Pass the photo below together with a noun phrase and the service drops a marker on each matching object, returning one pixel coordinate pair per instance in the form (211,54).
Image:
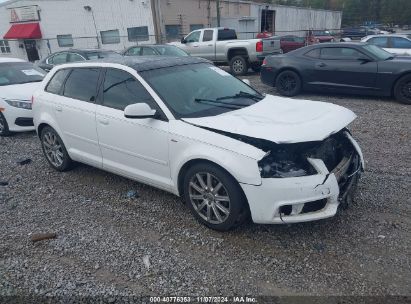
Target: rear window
(226,35)
(57,81)
(19,72)
(82,84)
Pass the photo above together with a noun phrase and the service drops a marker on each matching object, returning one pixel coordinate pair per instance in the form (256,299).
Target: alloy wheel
(209,198)
(53,149)
(238,66)
(406,90)
(288,83)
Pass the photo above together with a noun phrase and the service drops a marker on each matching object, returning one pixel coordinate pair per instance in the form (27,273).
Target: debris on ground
(37,237)
(146,261)
(4,183)
(132,194)
(24,161)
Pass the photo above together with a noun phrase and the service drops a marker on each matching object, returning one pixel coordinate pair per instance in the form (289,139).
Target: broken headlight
(282,164)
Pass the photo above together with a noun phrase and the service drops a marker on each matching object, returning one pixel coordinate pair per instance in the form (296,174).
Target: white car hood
(22,91)
(281,120)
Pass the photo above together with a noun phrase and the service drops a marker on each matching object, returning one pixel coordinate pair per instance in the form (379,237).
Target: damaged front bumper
(307,198)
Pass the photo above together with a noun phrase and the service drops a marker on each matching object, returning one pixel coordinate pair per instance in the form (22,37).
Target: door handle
(103,121)
(321,65)
(59,108)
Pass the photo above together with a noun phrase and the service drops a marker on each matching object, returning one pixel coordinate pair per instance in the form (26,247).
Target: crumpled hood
(22,91)
(281,120)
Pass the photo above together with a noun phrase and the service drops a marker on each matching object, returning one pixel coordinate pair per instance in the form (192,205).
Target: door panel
(137,148)
(342,68)
(77,117)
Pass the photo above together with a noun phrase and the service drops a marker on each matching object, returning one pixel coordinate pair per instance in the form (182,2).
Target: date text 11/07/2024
(238,299)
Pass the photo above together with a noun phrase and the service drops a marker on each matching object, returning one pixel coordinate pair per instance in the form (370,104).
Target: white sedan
(18,81)
(398,44)
(188,127)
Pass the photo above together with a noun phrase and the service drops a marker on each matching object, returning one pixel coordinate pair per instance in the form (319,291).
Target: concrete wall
(69,17)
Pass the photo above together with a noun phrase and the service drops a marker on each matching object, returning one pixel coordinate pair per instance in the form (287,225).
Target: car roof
(388,35)
(338,44)
(142,63)
(10,59)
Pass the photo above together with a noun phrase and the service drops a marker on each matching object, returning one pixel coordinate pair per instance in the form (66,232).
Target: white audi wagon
(185,126)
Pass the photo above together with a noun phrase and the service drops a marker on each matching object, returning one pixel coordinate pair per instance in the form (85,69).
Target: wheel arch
(398,78)
(237,51)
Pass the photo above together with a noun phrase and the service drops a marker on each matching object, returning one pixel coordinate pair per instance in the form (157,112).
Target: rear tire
(54,150)
(4,127)
(402,89)
(288,83)
(238,65)
(214,197)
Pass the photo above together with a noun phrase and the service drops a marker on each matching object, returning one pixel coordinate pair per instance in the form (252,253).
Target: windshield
(19,72)
(170,51)
(101,55)
(378,52)
(199,90)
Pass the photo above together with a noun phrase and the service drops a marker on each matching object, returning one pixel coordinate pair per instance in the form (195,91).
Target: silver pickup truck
(221,46)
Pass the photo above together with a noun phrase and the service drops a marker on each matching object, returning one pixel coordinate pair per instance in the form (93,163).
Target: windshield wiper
(243,94)
(220,103)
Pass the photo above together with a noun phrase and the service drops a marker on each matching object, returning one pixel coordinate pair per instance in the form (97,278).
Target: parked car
(75,55)
(221,46)
(290,43)
(319,37)
(356,33)
(155,50)
(392,43)
(356,68)
(18,80)
(217,142)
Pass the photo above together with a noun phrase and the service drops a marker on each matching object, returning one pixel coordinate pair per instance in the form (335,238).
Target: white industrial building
(32,29)
(38,27)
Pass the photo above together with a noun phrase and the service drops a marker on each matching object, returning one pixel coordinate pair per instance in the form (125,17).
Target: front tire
(214,197)
(54,150)
(402,89)
(4,127)
(288,83)
(238,66)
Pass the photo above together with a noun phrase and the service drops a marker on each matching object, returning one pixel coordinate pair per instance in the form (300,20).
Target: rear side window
(340,54)
(226,35)
(313,53)
(56,83)
(122,89)
(379,41)
(400,43)
(82,84)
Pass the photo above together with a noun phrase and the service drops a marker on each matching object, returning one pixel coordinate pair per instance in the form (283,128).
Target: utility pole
(218,12)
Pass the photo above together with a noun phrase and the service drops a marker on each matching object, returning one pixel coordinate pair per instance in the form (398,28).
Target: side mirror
(246,81)
(183,40)
(139,111)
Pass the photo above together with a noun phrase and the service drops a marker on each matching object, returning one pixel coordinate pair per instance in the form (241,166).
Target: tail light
(264,61)
(259,46)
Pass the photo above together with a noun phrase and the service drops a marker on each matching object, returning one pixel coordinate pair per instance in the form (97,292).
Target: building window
(4,47)
(65,40)
(172,31)
(194,27)
(139,33)
(110,37)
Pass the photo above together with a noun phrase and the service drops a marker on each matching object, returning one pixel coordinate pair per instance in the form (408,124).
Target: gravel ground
(111,245)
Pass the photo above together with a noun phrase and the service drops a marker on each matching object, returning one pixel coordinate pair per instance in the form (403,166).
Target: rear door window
(400,43)
(208,35)
(147,51)
(74,57)
(81,84)
(135,51)
(121,89)
(379,41)
(56,83)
